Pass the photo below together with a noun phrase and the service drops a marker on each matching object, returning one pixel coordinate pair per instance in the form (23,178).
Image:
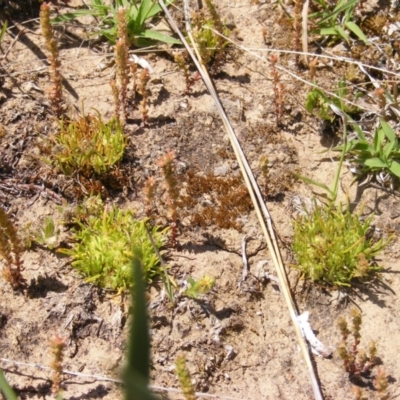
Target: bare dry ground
(239,342)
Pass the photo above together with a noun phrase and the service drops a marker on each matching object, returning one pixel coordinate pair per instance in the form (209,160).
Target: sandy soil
(239,342)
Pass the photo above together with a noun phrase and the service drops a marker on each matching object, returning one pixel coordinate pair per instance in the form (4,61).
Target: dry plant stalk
(279,89)
(166,163)
(355,361)
(10,250)
(122,62)
(144,78)
(149,191)
(55,64)
(313,68)
(298,5)
(57,347)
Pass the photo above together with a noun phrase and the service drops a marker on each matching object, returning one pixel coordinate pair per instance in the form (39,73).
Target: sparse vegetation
(336,19)
(211,46)
(86,146)
(138,15)
(199,287)
(358,363)
(379,159)
(332,246)
(104,244)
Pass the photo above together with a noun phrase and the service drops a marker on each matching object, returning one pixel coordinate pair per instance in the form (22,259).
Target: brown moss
(211,200)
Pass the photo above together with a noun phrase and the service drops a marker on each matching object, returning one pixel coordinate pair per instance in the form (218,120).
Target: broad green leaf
(357,31)
(394,168)
(363,146)
(327,31)
(342,33)
(6,388)
(375,163)
(133,12)
(161,37)
(387,150)
(379,140)
(388,131)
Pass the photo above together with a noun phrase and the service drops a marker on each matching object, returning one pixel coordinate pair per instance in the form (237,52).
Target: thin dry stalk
(297,28)
(144,79)
(123,65)
(57,348)
(55,64)
(10,250)
(149,191)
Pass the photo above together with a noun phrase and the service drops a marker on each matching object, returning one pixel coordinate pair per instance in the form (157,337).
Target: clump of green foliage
(87,145)
(202,286)
(336,22)
(211,46)
(332,246)
(103,249)
(381,158)
(138,15)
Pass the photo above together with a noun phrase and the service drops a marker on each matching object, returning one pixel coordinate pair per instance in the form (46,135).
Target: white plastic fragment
(142,62)
(317,346)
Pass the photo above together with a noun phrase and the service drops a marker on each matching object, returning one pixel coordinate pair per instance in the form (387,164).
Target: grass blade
(6,388)
(137,373)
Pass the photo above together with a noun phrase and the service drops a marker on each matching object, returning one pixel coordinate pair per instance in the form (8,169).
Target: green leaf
(139,344)
(375,163)
(363,146)
(338,9)
(161,37)
(394,168)
(342,33)
(3,31)
(6,388)
(387,150)
(328,31)
(357,31)
(137,372)
(379,140)
(388,131)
